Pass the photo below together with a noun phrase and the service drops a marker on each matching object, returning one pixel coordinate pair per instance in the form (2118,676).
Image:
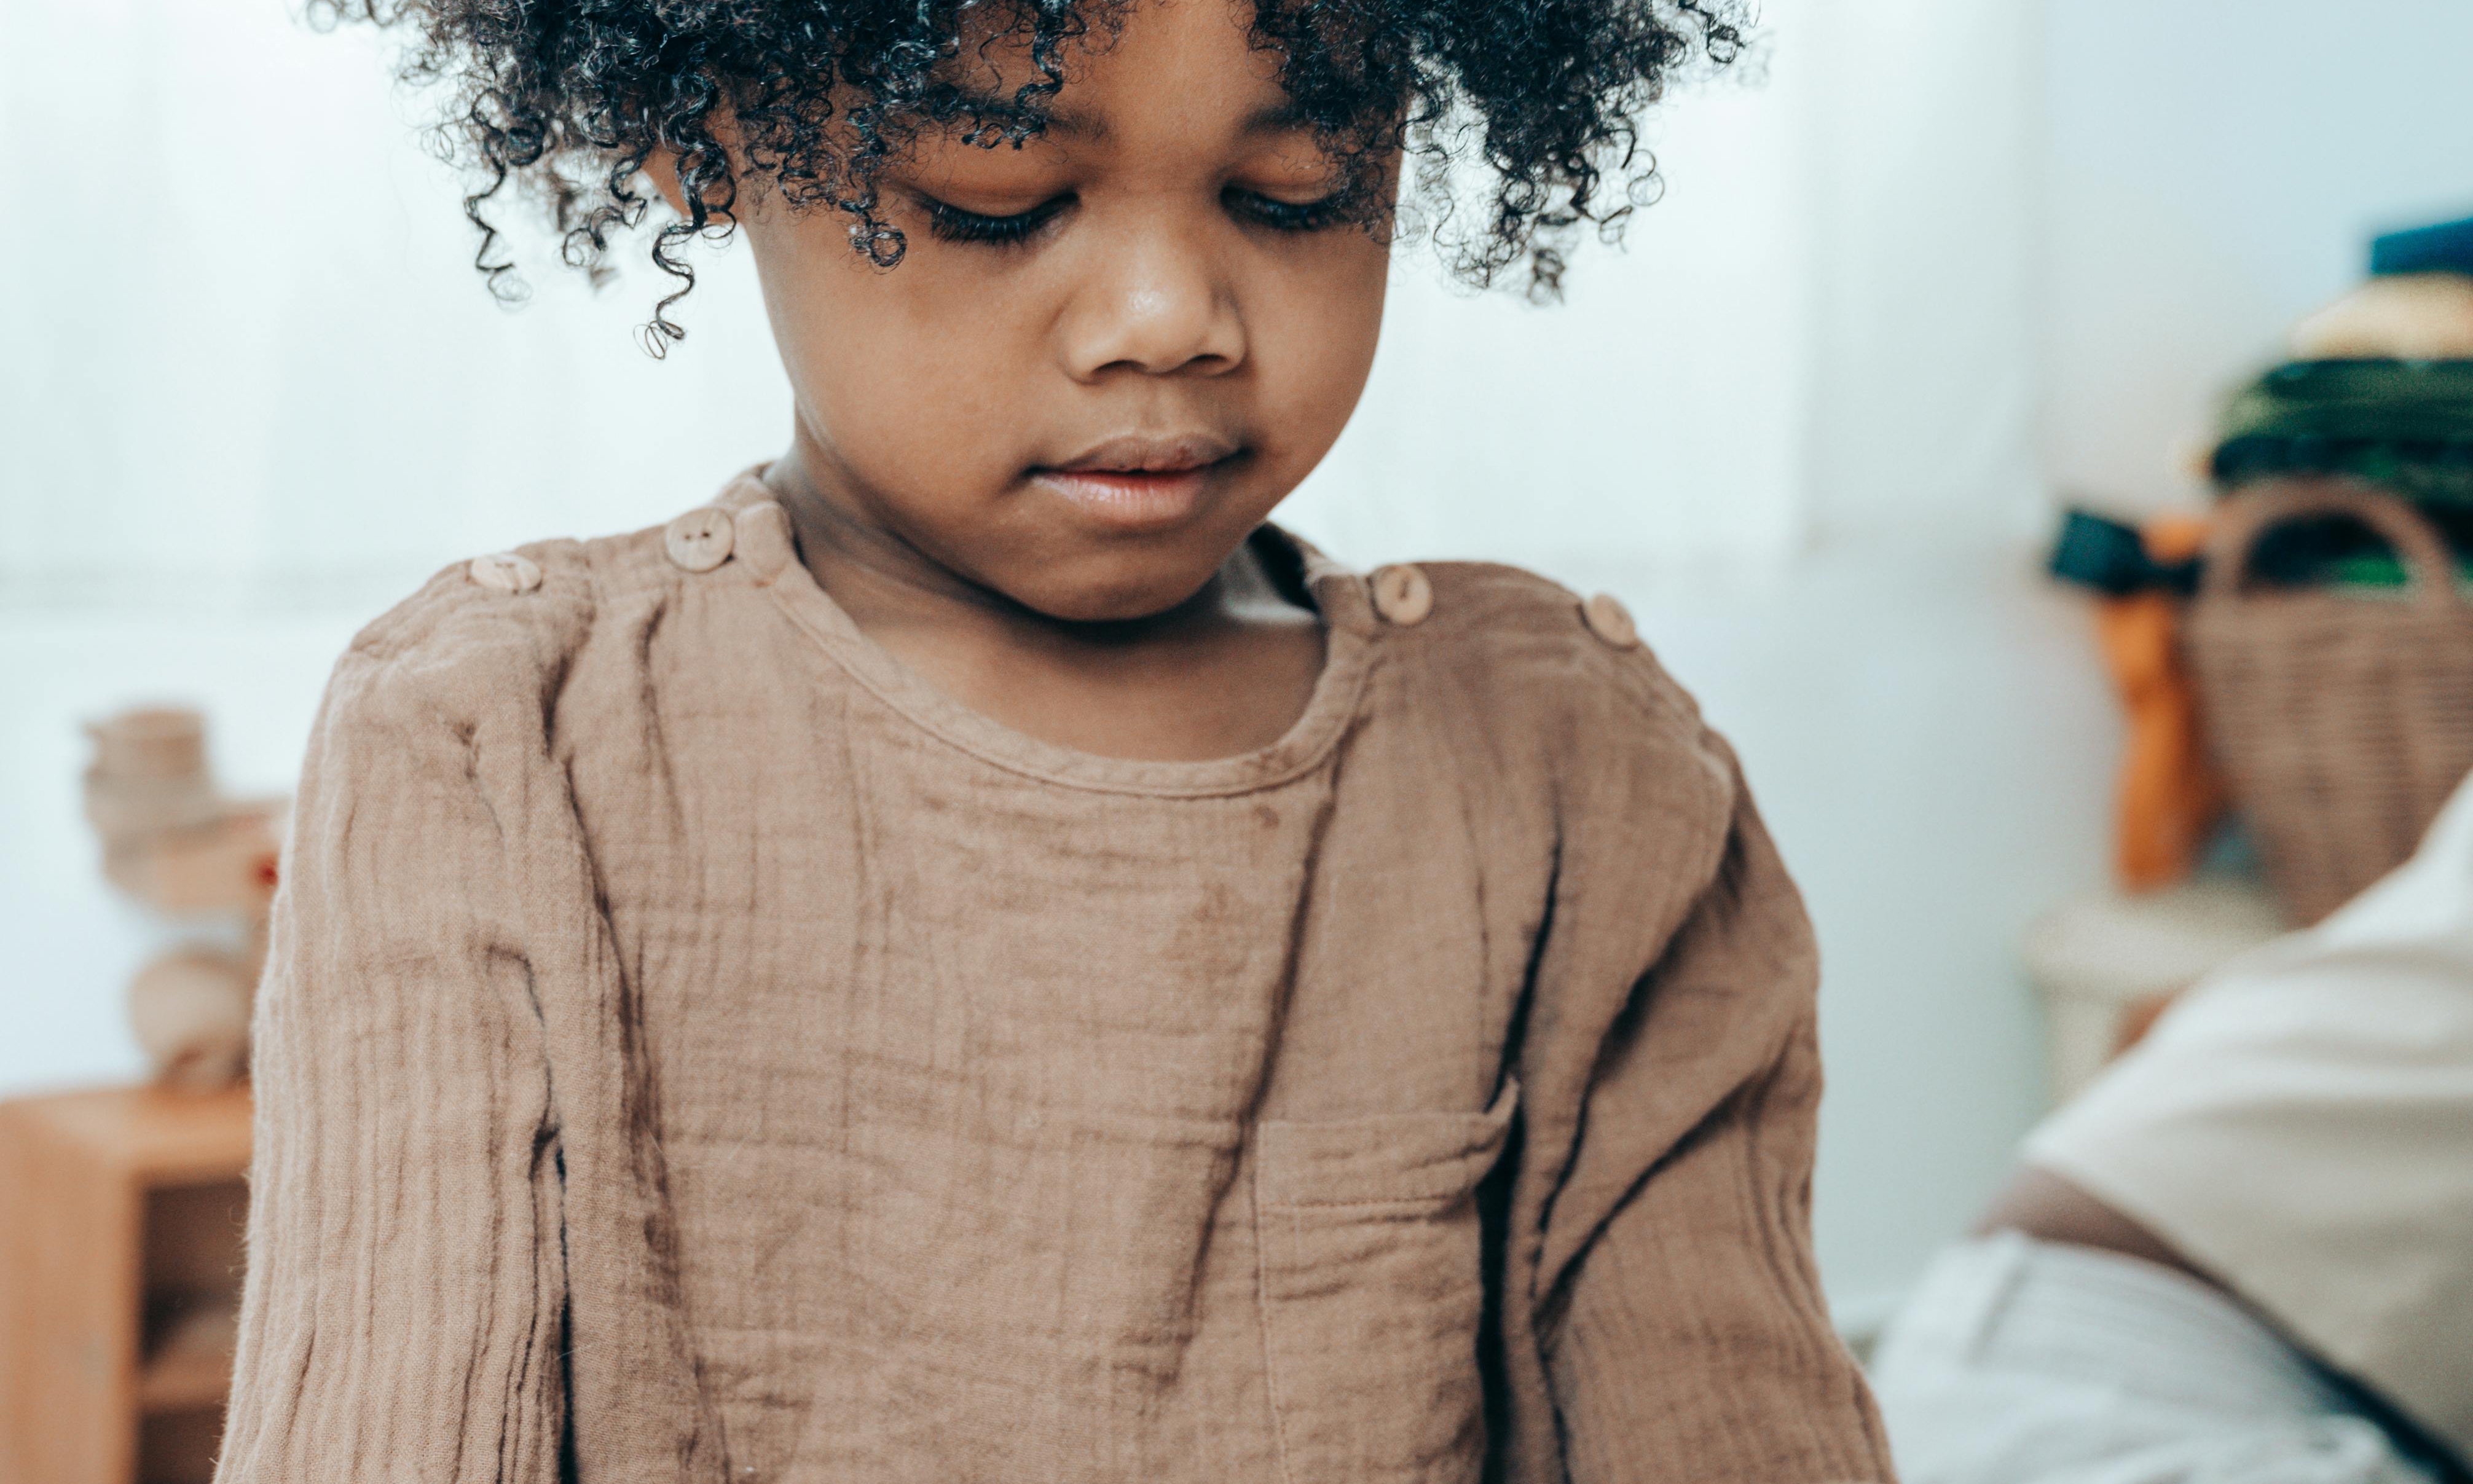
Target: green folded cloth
(2407,426)
(2380,569)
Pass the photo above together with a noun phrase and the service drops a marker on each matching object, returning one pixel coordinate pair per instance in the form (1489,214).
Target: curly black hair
(568,100)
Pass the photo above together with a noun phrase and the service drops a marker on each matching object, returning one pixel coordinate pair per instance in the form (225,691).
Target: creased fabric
(696,1050)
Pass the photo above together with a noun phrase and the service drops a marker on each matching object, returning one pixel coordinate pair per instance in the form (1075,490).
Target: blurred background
(1926,270)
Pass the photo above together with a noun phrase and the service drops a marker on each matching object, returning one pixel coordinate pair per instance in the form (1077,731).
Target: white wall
(252,362)
(2214,170)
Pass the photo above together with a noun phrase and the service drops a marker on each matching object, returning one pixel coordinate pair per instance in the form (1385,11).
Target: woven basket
(2343,717)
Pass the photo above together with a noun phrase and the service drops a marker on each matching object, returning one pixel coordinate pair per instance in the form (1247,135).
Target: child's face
(1107,354)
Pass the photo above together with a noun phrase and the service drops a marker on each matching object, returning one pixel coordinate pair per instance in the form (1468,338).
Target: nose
(1157,302)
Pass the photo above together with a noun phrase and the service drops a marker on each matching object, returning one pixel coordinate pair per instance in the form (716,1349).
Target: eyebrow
(1072,124)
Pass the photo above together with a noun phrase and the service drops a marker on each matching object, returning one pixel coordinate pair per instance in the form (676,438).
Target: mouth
(1138,482)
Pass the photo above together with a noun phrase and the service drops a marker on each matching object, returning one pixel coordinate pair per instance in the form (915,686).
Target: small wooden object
(173,840)
(120,1267)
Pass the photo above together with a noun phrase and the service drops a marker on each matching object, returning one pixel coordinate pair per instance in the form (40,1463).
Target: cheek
(1317,344)
(904,374)
(907,413)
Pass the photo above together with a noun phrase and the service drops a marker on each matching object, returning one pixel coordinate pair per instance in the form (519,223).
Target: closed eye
(1287,216)
(953,223)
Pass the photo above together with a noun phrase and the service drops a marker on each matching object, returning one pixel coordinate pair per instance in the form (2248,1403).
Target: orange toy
(2170,796)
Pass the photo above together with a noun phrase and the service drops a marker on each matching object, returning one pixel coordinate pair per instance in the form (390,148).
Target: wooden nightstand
(121,1214)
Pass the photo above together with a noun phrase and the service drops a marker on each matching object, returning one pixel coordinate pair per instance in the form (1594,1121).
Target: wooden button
(700,539)
(505,572)
(1609,620)
(1402,595)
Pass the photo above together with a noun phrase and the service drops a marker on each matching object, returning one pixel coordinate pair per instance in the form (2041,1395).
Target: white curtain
(251,364)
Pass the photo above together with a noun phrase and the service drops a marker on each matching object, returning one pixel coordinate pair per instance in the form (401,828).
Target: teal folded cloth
(2445,247)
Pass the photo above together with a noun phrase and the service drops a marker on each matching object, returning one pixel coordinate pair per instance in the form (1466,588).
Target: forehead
(1139,71)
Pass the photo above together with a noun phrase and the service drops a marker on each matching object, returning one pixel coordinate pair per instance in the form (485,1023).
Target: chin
(1122,591)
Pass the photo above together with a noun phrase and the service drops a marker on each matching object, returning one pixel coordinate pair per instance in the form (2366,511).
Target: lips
(1138,480)
(1137,453)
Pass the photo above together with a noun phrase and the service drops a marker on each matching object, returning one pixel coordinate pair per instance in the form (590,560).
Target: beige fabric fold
(696,1050)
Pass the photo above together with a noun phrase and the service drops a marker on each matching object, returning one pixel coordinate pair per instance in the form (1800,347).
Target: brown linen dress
(698,1051)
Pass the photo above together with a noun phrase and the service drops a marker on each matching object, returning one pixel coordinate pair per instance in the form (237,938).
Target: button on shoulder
(1402,595)
(1609,620)
(700,539)
(505,572)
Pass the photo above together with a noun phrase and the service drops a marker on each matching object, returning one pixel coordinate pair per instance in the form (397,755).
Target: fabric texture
(697,1050)
(2024,1362)
(2300,1126)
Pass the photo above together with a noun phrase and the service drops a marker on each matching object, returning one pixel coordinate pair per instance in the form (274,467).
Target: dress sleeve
(402,1313)
(1684,1334)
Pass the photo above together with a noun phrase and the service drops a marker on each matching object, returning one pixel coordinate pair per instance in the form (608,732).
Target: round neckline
(1340,602)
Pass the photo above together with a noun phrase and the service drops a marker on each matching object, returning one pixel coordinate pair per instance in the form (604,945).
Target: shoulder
(1564,677)
(487,643)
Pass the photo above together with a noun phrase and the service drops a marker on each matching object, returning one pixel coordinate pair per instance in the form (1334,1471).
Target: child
(971,956)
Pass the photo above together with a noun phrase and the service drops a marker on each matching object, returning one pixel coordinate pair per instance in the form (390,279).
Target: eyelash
(952,224)
(1288,216)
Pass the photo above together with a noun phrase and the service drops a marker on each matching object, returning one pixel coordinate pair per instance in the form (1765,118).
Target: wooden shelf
(161,1136)
(119,1267)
